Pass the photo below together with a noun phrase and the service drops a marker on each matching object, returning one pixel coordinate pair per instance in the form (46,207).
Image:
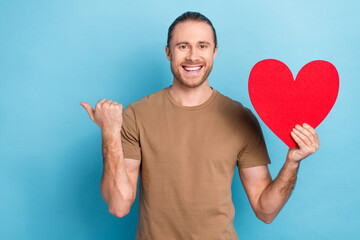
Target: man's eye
(183,47)
(202,46)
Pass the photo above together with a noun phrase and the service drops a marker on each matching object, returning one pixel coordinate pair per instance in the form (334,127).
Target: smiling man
(186,141)
(191,50)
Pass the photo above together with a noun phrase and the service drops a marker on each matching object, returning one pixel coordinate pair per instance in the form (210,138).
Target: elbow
(122,209)
(266,218)
(118,205)
(119,213)
(267,221)
(266,214)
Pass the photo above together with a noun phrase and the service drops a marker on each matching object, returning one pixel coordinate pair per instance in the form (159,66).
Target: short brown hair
(195,16)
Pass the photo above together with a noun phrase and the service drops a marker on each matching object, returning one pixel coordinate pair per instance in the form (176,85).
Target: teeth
(192,68)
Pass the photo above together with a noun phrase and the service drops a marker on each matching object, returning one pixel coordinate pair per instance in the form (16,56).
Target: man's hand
(307,140)
(107,114)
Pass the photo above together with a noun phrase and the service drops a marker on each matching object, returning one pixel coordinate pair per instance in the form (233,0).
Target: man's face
(191,52)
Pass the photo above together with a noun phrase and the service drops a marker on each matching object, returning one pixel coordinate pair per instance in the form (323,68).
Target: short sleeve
(254,152)
(130,135)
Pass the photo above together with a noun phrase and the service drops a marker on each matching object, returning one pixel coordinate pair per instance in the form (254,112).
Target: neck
(190,97)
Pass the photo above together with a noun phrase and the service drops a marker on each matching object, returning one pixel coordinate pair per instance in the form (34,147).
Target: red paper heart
(282,102)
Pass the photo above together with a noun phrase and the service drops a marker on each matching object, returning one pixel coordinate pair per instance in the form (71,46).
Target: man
(188,139)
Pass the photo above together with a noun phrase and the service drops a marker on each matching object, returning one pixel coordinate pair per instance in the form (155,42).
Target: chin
(192,84)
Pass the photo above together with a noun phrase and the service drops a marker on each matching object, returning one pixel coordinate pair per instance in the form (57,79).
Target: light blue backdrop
(55,54)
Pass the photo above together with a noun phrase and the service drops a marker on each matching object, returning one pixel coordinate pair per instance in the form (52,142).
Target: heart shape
(282,102)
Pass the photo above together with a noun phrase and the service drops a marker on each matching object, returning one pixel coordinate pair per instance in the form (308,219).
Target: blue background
(55,54)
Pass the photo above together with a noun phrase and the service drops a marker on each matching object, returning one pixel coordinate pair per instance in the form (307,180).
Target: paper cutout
(282,102)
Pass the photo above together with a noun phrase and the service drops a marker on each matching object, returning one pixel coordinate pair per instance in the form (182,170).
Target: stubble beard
(183,82)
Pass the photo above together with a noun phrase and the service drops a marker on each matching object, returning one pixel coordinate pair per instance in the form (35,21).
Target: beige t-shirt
(188,156)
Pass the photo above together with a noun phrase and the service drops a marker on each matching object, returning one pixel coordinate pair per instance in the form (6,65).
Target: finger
(307,133)
(89,109)
(308,127)
(114,102)
(312,130)
(303,137)
(99,103)
(107,102)
(297,139)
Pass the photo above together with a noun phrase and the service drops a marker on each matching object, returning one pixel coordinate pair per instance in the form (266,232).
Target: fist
(307,142)
(107,114)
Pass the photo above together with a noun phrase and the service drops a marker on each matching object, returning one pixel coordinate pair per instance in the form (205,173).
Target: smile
(192,68)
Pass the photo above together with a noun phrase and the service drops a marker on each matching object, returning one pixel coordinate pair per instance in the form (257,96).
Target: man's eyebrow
(201,42)
(184,42)
(179,43)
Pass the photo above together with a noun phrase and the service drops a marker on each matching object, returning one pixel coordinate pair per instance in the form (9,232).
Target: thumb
(89,109)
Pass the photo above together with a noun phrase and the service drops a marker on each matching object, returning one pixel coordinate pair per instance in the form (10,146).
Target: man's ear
(215,52)
(168,54)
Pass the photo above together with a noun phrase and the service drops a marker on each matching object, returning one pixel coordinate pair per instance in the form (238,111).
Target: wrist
(111,130)
(292,163)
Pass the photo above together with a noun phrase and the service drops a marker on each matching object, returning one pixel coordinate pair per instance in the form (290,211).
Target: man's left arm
(267,197)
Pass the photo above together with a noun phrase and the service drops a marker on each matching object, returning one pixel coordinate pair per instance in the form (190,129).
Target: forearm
(115,185)
(274,197)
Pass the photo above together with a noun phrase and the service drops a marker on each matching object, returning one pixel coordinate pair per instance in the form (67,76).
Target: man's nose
(193,54)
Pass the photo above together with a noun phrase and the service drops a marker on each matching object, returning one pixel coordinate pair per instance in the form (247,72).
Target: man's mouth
(192,68)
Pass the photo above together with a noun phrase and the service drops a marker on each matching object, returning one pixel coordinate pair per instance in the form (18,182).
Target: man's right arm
(119,181)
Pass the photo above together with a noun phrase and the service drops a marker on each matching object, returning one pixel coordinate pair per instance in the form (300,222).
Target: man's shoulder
(233,109)
(231,104)
(147,101)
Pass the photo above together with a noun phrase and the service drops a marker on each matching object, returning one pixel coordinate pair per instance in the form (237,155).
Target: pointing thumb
(89,109)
